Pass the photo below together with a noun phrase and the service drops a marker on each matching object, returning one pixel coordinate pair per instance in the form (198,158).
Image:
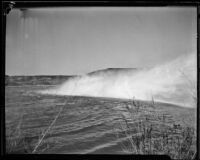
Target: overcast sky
(54,41)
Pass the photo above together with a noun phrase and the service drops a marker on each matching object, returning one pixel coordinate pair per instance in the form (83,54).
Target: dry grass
(47,131)
(151,132)
(17,143)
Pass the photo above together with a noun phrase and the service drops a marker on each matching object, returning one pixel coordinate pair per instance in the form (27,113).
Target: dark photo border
(8,5)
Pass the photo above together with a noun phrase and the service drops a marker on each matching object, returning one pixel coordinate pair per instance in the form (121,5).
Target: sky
(74,40)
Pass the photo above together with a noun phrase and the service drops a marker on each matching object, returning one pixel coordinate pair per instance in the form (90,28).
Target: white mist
(172,82)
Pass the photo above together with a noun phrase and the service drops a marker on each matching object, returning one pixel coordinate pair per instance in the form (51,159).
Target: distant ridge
(59,79)
(36,80)
(111,71)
